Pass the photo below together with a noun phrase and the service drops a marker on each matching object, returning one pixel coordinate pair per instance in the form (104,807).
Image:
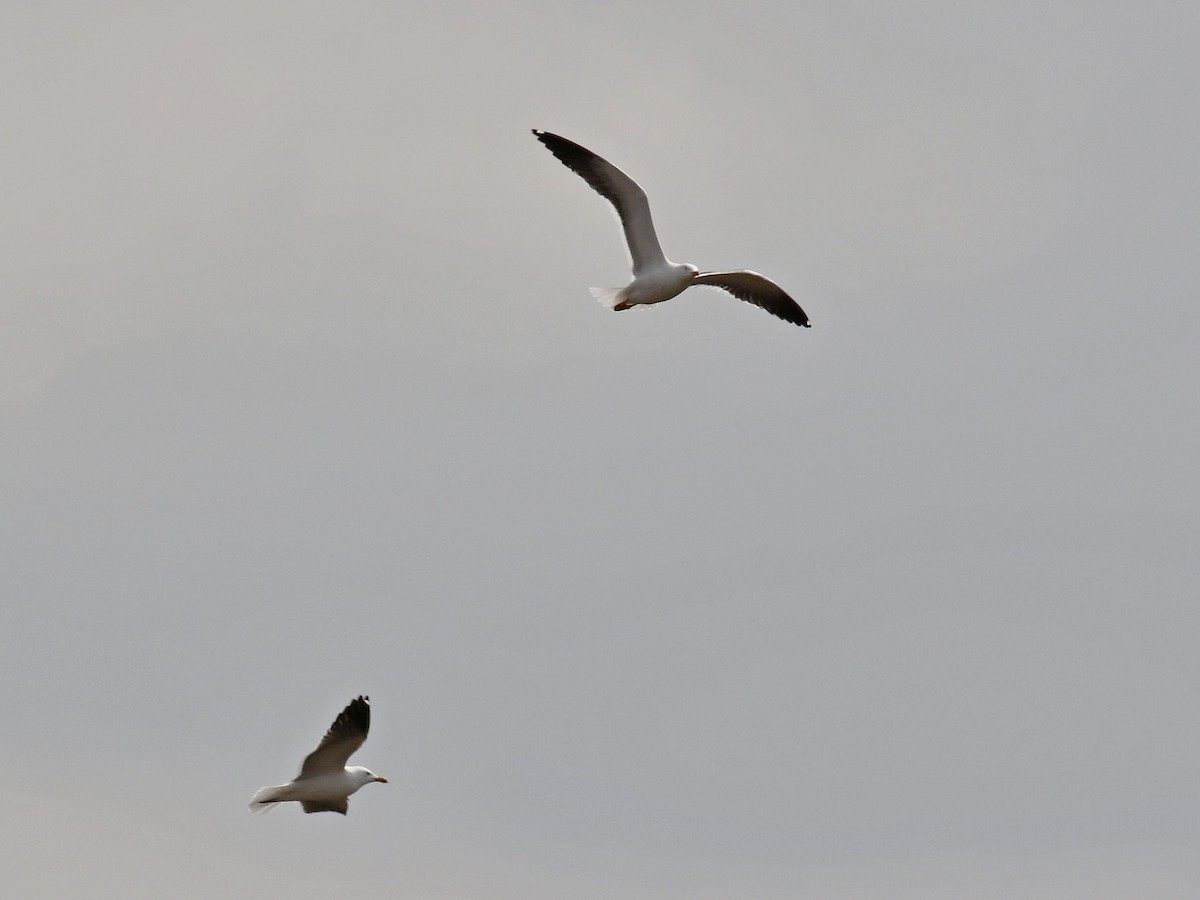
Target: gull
(656,278)
(325,782)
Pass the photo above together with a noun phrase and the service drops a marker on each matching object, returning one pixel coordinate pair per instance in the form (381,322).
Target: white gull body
(656,278)
(325,782)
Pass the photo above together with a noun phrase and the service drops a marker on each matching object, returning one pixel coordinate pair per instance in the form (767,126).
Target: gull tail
(613,298)
(266,799)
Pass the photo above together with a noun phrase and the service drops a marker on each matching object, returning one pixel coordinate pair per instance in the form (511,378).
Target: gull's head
(364,776)
(690,269)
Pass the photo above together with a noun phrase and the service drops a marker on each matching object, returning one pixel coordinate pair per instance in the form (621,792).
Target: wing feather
(759,290)
(344,736)
(625,194)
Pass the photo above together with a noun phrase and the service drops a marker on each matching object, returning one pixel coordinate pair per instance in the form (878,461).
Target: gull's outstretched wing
(618,189)
(344,736)
(759,290)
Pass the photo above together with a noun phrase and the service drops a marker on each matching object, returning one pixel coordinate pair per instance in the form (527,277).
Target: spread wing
(618,189)
(759,290)
(344,736)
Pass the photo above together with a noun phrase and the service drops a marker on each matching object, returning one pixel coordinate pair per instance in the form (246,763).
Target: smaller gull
(325,782)
(656,278)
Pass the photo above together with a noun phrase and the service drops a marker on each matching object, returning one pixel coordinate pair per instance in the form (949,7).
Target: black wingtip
(552,141)
(357,713)
(557,144)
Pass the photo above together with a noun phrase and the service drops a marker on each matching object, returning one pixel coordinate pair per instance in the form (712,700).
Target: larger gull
(325,782)
(656,278)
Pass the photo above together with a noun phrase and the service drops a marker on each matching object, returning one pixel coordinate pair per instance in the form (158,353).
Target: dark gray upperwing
(759,290)
(625,194)
(344,736)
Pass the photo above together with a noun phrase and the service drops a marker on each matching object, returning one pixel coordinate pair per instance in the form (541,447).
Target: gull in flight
(325,782)
(656,278)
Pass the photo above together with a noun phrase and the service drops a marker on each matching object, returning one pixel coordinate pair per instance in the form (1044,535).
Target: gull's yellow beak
(381,779)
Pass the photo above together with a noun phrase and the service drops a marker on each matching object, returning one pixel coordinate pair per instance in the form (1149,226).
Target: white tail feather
(266,799)
(610,297)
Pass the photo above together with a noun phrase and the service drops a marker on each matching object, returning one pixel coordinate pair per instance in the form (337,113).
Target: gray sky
(303,395)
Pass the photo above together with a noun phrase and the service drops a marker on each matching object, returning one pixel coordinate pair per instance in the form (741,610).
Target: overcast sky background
(303,395)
